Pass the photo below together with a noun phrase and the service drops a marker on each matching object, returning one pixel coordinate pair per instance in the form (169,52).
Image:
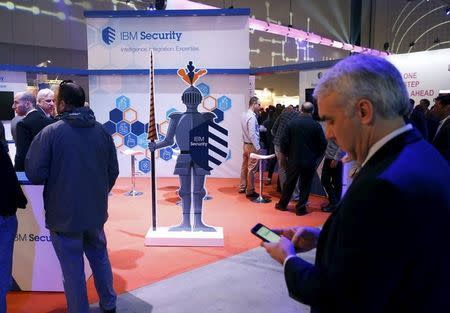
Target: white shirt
(380,143)
(440,126)
(250,128)
(30,112)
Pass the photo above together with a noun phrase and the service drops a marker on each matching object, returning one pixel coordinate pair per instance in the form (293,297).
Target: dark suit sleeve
(364,260)
(113,165)
(24,138)
(37,163)
(442,141)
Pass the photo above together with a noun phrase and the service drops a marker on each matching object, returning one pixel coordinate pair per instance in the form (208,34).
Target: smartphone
(263,232)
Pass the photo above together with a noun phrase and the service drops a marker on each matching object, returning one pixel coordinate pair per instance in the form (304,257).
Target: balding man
(304,144)
(45,101)
(27,128)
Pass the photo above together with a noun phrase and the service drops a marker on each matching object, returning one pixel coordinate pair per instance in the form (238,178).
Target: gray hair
(27,96)
(43,93)
(307,107)
(372,78)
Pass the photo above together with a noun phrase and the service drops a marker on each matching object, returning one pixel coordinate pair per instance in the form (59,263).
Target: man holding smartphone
(380,251)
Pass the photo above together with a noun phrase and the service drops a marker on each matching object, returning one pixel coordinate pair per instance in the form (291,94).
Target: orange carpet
(135,265)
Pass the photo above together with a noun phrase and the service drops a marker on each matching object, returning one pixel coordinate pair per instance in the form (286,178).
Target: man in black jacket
(27,128)
(11,198)
(386,246)
(303,144)
(441,140)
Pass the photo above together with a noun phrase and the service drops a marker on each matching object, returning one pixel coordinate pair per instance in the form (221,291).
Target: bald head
(23,102)
(307,108)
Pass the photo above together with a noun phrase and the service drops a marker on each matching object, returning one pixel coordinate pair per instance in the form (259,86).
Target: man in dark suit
(27,128)
(303,144)
(386,246)
(418,119)
(11,198)
(441,140)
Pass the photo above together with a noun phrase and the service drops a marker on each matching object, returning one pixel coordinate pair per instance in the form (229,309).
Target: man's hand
(303,238)
(281,250)
(152,146)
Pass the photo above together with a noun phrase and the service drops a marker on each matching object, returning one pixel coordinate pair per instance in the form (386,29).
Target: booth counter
(35,265)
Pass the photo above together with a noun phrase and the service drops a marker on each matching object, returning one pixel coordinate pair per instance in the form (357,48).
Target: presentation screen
(6,101)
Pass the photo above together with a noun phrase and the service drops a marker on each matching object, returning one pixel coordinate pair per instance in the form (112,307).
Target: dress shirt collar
(30,112)
(380,143)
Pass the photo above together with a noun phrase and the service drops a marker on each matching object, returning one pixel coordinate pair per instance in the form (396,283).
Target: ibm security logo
(111,35)
(108,35)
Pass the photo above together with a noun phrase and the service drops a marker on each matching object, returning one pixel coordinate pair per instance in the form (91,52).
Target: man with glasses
(77,161)
(27,128)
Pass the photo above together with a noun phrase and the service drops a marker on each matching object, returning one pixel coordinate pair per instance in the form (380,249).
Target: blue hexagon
(161,137)
(142,140)
(115,115)
(130,140)
(137,128)
(219,115)
(145,165)
(204,89)
(166,154)
(224,103)
(110,127)
(123,128)
(122,103)
(170,111)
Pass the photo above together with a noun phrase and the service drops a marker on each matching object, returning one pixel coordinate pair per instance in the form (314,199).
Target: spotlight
(437,40)
(447,11)
(160,4)
(412,43)
(386,46)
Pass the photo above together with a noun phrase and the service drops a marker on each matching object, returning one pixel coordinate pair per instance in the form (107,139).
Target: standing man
(27,128)
(278,131)
(76,160)
(441,111)
(381,250)
(11,198)
(303,144)
(250,136)
(331,177)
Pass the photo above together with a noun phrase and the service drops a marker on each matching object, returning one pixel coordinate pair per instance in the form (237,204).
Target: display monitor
(6,101)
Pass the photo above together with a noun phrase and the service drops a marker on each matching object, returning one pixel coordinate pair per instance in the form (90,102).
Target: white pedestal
(35,266)
(163,237)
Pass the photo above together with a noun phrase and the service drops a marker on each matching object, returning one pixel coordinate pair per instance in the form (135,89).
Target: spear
(152,137)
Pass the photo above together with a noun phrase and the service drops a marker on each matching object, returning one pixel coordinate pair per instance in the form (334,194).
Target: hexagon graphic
(161,137)
(118,140)
(122,103)
(145,165)
(137,128)
(111,84)
(116,115)
(123,128)
(219,115)
(209,103)
(170,111)
(130,115)
(130,140)
(166,154)
(110,127)
(204,89)
(224,103)
(163,127)
(142,140)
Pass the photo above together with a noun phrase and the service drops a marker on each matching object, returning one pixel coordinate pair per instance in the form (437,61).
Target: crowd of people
(384,248)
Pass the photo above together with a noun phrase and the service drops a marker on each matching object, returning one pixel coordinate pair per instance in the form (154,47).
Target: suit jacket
(419,121)
(442,140)
(303,142)
(386,248)
(26,130)
(11,194)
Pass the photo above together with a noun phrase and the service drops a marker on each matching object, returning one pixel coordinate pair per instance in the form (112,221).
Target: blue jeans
(69,248)
(8,230)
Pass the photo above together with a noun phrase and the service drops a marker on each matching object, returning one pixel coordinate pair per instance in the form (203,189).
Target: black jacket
(386,248)
(26,130)
(442,140)
(11,195)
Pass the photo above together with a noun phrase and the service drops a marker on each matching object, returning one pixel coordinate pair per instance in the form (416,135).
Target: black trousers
(332,180)
(293,174)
